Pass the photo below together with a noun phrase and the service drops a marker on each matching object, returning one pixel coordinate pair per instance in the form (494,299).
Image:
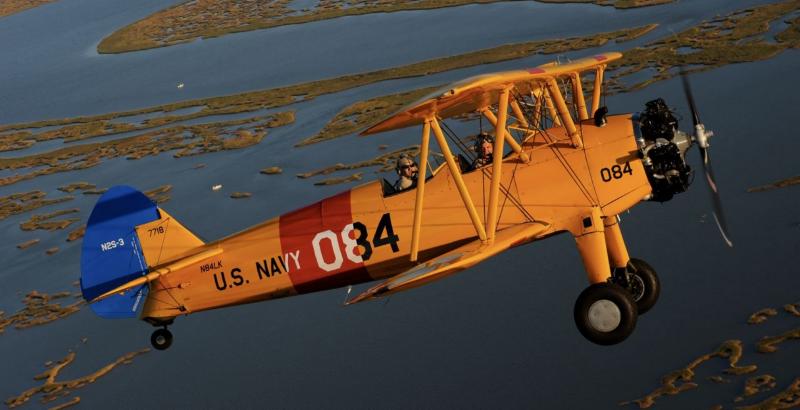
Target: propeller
(701,136)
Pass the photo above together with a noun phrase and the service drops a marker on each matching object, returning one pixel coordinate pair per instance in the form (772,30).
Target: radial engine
(663,148)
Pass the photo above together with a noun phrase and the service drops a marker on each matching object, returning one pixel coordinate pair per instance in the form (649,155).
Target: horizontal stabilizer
(455,261)
(143,280)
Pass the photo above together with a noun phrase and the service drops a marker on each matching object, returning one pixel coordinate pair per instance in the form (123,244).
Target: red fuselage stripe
(298,230)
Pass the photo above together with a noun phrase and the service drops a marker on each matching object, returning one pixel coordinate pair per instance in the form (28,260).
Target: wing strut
(456,171)
(577,94)
(598,85)
(509,139)
(497,160)
(518,113)
(566,118)
(537,97)
(551,109)
(423,170)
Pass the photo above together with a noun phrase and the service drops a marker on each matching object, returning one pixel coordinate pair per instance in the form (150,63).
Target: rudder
(111,254)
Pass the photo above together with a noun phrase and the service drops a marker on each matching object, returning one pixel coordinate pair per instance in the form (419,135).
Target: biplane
(561,164)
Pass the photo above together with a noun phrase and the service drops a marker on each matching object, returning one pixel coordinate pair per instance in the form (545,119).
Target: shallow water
(500,333)
(57,73)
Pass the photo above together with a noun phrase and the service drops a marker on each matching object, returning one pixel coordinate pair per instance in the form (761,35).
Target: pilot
(407,171)
(484,145)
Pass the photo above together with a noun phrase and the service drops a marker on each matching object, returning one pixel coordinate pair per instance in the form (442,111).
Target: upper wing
(480,91)
(455,261)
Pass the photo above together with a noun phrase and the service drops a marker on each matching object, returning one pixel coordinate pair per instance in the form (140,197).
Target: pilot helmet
(403,162)
(480,139)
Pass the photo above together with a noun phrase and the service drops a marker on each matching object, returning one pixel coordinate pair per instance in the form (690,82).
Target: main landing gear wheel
(643,284)
(605,314)
(161,339)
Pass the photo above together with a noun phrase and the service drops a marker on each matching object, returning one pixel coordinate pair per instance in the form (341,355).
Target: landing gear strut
(605,313)
(161,339)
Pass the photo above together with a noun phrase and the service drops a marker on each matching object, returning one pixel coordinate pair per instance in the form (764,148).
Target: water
(56,72)
(501,332)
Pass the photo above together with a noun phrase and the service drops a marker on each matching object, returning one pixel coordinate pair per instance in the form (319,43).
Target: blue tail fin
(111,254)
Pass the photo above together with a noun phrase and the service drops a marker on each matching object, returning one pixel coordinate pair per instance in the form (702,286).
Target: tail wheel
(605,314)
(643,284)
(161,339)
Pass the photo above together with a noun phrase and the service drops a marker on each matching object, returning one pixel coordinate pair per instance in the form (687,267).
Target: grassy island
(192,20)
(9,7)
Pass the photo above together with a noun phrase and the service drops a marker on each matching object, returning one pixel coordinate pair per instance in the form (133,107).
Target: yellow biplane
(555,169)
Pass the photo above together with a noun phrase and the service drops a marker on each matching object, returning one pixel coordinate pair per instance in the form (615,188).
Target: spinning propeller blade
(719,214)
(687,90)
(701,137)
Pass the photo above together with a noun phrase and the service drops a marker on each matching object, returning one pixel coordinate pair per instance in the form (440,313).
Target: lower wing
(455,261)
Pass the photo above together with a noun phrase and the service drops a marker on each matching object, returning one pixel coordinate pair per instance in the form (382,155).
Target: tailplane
(126,236)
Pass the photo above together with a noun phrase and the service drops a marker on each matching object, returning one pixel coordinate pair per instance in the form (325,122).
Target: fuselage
(364,234)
